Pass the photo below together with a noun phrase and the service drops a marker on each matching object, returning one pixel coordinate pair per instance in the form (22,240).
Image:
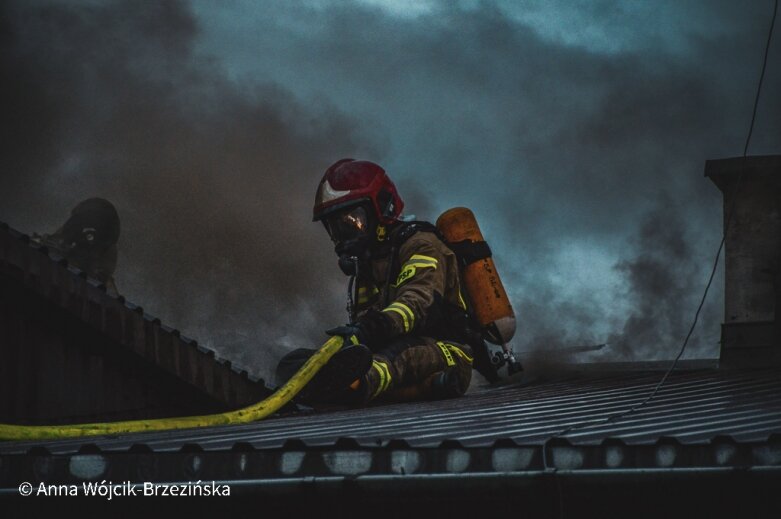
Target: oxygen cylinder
(490,304)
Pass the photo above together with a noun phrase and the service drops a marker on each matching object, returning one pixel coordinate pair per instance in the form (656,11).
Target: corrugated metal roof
(692,407)
(700,422)
(700,419)
(123,324)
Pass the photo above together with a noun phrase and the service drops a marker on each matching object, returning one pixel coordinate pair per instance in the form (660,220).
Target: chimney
(751,332)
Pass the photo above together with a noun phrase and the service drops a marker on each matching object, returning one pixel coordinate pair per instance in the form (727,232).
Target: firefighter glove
(351,333)
(369,329)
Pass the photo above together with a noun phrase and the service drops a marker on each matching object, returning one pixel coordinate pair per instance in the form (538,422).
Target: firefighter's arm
(422,274)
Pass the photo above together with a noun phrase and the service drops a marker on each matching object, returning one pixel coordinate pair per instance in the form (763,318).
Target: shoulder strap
(467,251)
(407,229)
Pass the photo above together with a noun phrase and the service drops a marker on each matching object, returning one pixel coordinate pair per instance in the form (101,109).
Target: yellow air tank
(490,304)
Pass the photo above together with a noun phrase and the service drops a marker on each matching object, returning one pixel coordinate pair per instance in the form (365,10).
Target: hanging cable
(730,214)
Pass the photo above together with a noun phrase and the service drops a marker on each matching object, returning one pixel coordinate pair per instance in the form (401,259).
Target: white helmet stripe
(328,193)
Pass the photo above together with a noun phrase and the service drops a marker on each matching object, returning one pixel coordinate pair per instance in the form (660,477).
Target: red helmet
(348,182)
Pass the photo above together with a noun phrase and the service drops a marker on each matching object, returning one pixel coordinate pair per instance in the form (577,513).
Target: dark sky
(576,131)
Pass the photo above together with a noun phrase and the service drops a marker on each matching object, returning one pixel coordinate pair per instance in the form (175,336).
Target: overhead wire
(730,215)
(727,224)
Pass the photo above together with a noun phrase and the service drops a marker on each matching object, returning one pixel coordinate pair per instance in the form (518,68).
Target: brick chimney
(751,332)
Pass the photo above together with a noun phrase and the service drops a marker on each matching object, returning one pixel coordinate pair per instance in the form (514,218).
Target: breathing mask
(350,230)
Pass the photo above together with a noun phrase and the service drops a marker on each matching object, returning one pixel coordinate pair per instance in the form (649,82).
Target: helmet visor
(348,224)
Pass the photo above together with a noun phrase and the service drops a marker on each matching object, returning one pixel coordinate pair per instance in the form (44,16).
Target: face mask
(347,225)
(349,230)
(349,264)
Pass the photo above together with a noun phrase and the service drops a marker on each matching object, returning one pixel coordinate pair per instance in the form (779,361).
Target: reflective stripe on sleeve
(421,261)
(411,266)
(407,317)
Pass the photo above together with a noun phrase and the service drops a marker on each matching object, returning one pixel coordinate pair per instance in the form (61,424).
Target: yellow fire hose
(248,414)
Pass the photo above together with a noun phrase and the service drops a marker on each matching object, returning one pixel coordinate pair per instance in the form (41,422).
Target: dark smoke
(214,187)
(209,127)
(660,277)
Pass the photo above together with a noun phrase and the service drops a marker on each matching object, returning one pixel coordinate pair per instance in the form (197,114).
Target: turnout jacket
(416,285)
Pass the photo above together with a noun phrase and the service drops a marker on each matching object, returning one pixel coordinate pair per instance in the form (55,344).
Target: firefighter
(404,339)
(88,240)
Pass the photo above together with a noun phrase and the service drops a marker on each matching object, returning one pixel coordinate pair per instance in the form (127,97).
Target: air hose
(253,413)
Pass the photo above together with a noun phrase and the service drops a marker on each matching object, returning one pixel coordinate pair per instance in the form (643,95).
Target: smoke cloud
(214,187)
(580,151)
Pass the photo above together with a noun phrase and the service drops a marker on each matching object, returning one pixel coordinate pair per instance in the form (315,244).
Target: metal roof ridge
(125,314)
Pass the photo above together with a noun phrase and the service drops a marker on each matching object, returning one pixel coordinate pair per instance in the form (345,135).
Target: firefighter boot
(333,380)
